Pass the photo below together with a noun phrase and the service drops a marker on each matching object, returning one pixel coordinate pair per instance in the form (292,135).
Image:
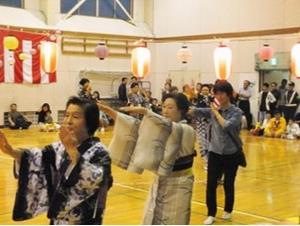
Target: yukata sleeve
(32,197)
(83,182)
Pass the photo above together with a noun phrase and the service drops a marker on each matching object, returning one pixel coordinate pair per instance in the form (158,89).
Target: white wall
(177,17)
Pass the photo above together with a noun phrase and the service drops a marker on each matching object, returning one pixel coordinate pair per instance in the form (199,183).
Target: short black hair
(13,104)
(277,112)
(91,112)
(292,84)
(83,81)
(98,95)
(206,85)
(223,86)
(284,81)
(133,77)
(274,83)
(134,84)
(124,78)
(181,101)
(266,84)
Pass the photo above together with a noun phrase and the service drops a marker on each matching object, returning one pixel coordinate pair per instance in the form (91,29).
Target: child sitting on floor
(259,129)
(292,130)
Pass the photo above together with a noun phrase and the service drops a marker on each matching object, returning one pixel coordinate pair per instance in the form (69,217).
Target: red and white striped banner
(27,70)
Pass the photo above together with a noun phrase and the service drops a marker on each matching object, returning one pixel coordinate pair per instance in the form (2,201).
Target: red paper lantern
(266,52)
(101,51)
(295,60)
(184,54)
(140,62)
(48,56)
(222,61)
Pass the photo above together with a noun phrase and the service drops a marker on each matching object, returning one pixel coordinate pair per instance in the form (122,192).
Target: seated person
(297,118)
(16,119)
(292,130)
(259,129)
(276,127)
(68,179)
(45,119)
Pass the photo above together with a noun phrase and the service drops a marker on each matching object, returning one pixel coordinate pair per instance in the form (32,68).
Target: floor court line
(203,204)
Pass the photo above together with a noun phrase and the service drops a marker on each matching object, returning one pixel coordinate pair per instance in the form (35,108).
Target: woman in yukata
(68,179)
(169,198)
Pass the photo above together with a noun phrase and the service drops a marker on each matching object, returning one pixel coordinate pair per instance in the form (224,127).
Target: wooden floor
(268,190)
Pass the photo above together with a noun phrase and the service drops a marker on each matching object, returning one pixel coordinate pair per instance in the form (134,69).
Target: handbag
(240,154)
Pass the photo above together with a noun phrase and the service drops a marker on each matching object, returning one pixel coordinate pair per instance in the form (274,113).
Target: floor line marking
(203,204)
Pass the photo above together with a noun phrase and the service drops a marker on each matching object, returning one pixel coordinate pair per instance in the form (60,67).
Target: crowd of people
(272,102)
(72,176)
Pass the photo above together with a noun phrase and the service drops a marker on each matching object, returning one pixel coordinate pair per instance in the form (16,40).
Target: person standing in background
(265,100)
(276,94)
(134,97)
(166,90)
(85,89)
(244,102)
(282,89)
(122,91)
(291,102)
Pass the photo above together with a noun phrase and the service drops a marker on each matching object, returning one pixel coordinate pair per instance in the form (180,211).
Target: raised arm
(6,148)
(106,109)
(227,124)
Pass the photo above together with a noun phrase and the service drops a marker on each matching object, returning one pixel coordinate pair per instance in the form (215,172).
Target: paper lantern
(48,56)
(222,61)
(101,51)
(140,62)
(295,60)
(266,52)
(10,42)
(184,54)
(23,56)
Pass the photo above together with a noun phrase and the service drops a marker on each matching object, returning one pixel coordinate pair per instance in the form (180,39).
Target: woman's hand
(4,145)
(134,110)
(6,148)
(69,140)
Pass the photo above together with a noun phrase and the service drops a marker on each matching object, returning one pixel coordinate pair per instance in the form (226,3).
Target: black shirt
(262,106)
(123,92)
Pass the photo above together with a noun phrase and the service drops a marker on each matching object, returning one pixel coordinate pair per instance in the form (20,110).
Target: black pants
(244,105)
(218,164)
(289,113)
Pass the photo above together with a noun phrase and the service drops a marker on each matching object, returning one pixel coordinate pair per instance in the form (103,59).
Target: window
(98,8)
(106,8)
(12,3)
(67,5)
(88,8)
(120,13)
